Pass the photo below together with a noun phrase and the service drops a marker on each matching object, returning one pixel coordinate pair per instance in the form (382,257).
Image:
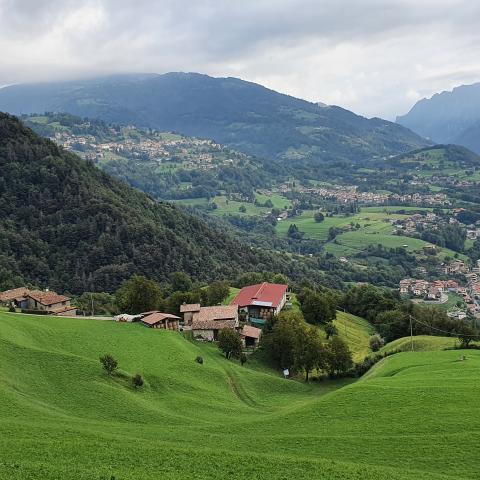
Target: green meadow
(414,415)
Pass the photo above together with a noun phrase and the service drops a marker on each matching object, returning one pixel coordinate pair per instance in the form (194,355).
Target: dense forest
(67,225)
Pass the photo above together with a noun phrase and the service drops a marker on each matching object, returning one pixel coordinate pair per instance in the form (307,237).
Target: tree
(137,381)
(318,308)
(338,358)
(280,278)
(376,342)
(139,294)
(230,342)
(330,329)
(243,359)
(279,342)
(242,209)
(319,217)
(466,334)
(309,351)
(217,292)
(294,233)
(180,282)
(109,363)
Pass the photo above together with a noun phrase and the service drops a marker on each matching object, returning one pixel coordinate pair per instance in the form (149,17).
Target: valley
(55,396)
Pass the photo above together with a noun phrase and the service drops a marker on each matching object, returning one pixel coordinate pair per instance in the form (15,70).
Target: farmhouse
(188,309)
(17,297)
(250,336)
(208,321)
(156,319)
(49,302)
(261,301)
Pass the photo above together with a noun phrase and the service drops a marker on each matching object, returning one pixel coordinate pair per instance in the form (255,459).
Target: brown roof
(13,294)
(47,298)
(249,331)
(156,317)
(215,318)
(189,307)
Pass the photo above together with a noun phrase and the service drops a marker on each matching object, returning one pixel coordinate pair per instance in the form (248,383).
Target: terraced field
(415,415)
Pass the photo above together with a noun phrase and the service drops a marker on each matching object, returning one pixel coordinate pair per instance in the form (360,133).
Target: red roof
(249,331)
(262,294)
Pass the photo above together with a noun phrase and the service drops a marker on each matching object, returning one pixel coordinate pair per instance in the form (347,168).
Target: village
(155,147)
(437,291)
(246,313)
(350,194)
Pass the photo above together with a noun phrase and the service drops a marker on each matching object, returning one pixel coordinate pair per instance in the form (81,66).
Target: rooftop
(263,294)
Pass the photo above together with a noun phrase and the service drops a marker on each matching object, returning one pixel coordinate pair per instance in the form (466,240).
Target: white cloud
(375,57)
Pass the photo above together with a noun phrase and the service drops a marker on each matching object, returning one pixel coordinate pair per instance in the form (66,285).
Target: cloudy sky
(375,57)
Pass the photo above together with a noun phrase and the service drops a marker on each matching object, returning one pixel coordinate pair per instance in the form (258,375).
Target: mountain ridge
(241,114)
(448,116)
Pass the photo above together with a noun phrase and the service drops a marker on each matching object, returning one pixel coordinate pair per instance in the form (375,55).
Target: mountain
(243,115)
(67,225)
(448,117)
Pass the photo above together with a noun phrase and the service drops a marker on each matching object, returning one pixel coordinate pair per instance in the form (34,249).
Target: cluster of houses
(247,313)
(437,290)
(38,301)
(432,291)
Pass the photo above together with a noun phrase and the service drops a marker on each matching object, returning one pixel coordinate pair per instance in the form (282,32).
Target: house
(208,321)
(49,302)
(188,309)
(261,301)
(156,319)
(16,296)
(434,294)
(250,336)
(451,285)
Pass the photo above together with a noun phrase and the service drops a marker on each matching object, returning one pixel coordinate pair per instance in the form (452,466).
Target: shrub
(199,360)
(12,309)
(137,380)
(376,342)
(109,363)
(243,359)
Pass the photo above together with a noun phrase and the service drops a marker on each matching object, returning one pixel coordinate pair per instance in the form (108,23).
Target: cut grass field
(414,415)
(356,332)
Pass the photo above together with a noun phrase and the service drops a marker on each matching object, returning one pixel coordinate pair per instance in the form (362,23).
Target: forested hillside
(67,225)
(243,115)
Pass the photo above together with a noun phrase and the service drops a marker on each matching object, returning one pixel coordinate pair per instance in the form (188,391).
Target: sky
(375,57)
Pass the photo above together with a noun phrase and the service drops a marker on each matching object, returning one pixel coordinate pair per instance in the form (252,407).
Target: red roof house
(262,300)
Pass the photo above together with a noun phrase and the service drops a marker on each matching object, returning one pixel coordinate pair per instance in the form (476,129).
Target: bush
(12,309)
(199,360)
(137,381)
(34,312)
(376,342)
(243,359)
(109,363)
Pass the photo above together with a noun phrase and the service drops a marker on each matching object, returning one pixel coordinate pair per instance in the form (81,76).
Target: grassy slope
(420,343)
(61,417)
(356,332)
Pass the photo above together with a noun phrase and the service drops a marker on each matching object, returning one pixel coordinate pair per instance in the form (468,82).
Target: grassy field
(421,343)
(413,416)
(356,332)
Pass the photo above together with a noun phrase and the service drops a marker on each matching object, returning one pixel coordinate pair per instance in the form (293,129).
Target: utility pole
(411,331)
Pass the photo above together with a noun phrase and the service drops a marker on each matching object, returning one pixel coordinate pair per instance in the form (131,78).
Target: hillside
(447,117)
(165,165)
(62,417)
(243,115)
(66,225)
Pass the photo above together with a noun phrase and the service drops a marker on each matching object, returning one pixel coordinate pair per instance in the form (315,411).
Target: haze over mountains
(241,114)
(448,117)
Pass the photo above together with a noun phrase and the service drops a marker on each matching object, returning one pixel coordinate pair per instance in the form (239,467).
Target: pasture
(415,415)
